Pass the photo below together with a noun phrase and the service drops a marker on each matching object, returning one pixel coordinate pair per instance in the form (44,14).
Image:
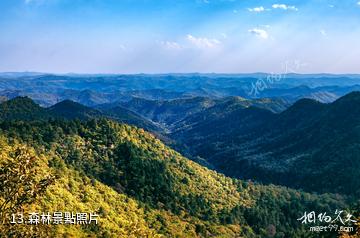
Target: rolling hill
(24,108)
(171,113)
(141,188)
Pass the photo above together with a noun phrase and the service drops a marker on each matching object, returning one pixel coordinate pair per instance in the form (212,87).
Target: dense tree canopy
(140,187)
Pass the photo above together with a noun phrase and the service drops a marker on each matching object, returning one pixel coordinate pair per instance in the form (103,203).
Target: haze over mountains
(91,90)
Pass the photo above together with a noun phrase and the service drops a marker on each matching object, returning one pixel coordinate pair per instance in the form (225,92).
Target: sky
(180,36)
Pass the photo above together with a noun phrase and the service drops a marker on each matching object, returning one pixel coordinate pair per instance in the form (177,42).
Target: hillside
(24,108)
(21,108)
(171,113)
(306,146)
(71,110)
(140,187)
(121,114)
(168,112)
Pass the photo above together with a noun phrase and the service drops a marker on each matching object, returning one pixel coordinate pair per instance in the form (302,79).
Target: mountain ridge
(288,148)
(24,108)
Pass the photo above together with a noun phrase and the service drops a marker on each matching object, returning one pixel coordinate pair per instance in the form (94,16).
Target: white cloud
(323,33)
(171,45)
(284,7)
(257,9)
(259,33)
(203,42)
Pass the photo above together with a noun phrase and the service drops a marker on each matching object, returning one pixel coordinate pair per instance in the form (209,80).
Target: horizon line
(34,73)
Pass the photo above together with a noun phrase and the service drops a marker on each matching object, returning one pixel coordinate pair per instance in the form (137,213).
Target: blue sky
(159,36)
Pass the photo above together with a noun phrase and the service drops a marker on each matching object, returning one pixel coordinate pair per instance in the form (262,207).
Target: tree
(19,182)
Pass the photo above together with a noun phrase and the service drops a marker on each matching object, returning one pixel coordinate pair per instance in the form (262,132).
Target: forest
(137,185)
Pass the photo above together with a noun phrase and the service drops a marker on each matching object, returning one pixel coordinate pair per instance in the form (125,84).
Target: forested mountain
(23,108)
(71,110)
(167,112)
(310,145)
(179,119)
(171,113)
(239,137)
(141,188)
(119,113)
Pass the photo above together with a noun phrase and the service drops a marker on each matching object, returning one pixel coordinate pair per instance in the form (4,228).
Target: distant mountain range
(91,90)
